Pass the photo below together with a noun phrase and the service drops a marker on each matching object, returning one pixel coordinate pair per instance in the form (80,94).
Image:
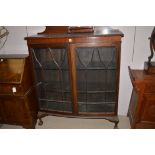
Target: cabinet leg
(40,121)
(40,116)
(116,125)
(113,120)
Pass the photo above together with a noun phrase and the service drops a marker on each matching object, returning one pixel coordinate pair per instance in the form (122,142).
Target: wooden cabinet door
(52,78)
(147,113)
(95,77)
(148,108)
(14,110)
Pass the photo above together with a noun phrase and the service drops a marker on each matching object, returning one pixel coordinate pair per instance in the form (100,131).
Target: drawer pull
(70,40)
(14,89)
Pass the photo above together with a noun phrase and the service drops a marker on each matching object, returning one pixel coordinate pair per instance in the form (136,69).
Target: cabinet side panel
(132,107)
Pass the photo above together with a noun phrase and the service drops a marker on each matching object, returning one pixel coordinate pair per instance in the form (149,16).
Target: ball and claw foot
(40,122)
(40,116)
(116,125)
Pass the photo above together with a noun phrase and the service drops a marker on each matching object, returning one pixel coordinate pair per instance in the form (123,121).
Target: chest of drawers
(142,104)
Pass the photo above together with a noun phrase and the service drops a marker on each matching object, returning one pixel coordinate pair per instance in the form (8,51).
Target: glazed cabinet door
(52,77)
(95,77)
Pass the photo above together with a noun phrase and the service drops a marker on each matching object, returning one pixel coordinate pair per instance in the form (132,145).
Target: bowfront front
(77,74)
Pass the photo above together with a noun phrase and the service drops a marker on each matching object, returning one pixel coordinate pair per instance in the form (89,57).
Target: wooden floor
(52,122)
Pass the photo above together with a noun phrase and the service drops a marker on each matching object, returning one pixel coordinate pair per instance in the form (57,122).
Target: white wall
(135,60)
(17,44)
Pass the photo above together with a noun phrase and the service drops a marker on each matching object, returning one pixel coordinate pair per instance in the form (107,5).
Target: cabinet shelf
(91,87)
(96,103)
(57,105)
(108,108)
(58,101)
(83,92)
(66,69)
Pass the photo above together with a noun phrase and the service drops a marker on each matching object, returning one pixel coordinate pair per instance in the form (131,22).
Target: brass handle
(70,40)
(14,90)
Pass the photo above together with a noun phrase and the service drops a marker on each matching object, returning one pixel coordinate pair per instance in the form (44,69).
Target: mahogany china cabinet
(18,102)
(76,71)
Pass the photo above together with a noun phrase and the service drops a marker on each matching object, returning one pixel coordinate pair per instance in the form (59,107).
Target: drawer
(145,125)
(150,88)
(6,89)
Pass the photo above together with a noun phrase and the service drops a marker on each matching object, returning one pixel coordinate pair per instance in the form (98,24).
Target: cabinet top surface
(98,32)
(141,75)
(72,35)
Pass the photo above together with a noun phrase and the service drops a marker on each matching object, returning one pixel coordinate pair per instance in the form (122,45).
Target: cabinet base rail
(113,119)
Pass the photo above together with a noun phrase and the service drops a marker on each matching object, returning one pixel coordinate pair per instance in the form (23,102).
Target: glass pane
(52,80)
(11,70)
(96,79)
